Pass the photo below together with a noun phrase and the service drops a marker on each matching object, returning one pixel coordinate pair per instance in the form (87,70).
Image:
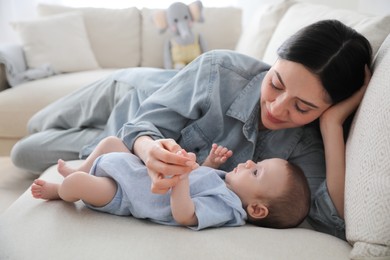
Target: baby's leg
(217,156)
(64,169)
(107,145)
(97,191)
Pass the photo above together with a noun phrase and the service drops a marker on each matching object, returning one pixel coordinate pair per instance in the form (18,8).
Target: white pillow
(221,29)
(367,185)
(374,28)
(59,40)
(257,34)
(114,34)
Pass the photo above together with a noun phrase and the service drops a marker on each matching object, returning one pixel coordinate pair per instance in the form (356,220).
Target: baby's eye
(254,172)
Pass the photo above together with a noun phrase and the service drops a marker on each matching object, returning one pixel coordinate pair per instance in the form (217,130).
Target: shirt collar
(243,106)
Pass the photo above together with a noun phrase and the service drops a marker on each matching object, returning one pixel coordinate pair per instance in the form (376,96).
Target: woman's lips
(273,119)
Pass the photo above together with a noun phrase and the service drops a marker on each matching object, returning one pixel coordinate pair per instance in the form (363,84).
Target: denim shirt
(215,99)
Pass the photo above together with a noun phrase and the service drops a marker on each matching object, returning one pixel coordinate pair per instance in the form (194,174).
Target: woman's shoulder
(240,63)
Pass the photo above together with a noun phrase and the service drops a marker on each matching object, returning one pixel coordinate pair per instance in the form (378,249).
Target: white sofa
(83,45)
(34,229)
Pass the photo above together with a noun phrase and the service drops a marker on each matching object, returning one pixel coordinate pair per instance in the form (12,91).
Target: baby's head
(274,192)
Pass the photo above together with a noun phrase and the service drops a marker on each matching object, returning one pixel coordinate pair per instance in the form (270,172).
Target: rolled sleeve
(323,214)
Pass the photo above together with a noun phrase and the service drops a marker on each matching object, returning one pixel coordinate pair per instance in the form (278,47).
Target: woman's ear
(257,210)
(160,20)
(196,11)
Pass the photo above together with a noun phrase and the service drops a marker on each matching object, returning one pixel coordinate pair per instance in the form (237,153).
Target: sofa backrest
(367,185)
(128,38)
(114,34)
(279,21)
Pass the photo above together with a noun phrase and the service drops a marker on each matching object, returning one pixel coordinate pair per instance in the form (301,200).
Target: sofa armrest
(3,79)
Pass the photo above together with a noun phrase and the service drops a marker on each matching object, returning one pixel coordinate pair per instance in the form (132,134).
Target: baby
(271,193)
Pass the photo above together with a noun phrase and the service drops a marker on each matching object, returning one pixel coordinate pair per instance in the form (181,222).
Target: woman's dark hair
(334,52)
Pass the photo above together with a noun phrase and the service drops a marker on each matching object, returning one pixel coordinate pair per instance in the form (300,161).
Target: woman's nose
(278,107)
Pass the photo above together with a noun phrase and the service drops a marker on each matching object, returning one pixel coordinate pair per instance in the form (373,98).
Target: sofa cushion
(221,29)
(301,14)
(367,191)
(60,41)
(114,34)
(257,34)
(26,99)
(72,231)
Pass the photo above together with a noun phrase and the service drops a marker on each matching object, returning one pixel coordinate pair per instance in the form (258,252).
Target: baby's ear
(257,210)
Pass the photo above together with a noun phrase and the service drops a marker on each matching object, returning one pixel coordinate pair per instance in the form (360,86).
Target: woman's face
(291,96)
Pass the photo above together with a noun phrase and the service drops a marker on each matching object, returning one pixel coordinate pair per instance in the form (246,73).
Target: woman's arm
(183,208)
(332,135)
(331,125)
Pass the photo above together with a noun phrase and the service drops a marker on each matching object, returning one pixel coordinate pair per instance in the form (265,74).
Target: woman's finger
(170,158)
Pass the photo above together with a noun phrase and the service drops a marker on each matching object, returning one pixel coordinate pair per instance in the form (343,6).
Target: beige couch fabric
(17,105)
(115,34)
(373,27)
(37,229)
(42,38)
(367,197)
(257,34)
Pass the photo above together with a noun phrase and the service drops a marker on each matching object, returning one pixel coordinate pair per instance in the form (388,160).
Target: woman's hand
(163,158)
(338,113)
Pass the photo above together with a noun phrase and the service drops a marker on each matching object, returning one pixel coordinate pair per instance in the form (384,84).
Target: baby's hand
(192,156)
(217,156)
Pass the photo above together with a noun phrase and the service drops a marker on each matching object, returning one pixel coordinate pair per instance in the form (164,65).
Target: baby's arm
(182,206)
(217,156)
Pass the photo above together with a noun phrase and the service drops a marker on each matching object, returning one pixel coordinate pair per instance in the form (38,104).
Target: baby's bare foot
(44,190)
(64,169)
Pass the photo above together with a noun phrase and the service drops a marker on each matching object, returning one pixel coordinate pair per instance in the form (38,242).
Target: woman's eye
(300,110)
(274,86)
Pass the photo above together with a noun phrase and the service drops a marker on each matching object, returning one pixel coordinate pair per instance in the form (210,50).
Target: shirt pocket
(194,140)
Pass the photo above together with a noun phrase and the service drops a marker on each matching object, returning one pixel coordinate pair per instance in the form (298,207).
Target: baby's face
(266,179)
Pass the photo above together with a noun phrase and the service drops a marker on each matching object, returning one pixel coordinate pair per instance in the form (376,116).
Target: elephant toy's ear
(196,10)
(160,20)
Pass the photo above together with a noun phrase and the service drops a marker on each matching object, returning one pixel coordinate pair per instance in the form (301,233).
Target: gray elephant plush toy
(184,45)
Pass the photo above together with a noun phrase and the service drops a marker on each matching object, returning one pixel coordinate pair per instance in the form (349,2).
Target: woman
(227,98)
